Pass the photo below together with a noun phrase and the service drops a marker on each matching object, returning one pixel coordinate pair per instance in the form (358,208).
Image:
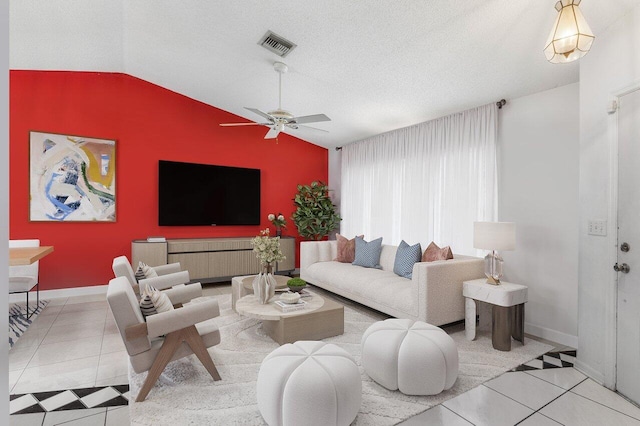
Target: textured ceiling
(371,66)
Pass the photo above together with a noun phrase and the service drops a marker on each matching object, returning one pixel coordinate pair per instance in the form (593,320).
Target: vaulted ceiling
(371,66)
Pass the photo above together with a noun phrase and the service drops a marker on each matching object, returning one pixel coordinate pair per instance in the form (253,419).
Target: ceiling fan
(279,118)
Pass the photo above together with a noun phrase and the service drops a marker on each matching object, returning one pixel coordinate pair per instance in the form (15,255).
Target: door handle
(624,268)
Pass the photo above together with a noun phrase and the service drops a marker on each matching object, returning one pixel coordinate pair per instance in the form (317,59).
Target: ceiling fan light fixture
(570,38)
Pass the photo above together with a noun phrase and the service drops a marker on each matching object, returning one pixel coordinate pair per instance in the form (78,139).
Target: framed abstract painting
(72,178)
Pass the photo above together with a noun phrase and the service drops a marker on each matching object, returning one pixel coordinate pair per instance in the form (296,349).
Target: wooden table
(22,256)
(321,319)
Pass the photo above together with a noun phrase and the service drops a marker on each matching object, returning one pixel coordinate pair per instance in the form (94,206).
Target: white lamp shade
(494,235)
(570,37)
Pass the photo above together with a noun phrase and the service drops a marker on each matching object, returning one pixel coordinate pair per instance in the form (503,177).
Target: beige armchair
(23,278)
(184,335)
(168,275)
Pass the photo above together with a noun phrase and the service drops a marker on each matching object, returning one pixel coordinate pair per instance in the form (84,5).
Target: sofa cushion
(433,252)
(368,253)
(406,257)
(378,286)
(346,249)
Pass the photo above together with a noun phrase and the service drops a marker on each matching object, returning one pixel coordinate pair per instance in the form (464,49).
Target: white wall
(612,64)
(4,206)
(538,159)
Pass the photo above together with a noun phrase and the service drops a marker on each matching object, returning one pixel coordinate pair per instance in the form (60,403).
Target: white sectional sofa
(433,295)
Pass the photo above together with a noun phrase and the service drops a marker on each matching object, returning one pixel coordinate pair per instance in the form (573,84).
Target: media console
(211,259)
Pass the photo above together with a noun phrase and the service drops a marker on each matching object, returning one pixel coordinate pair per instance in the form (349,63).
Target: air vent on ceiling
(276,44)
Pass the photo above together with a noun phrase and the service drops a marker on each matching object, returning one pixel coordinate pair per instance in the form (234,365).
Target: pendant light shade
(570,37)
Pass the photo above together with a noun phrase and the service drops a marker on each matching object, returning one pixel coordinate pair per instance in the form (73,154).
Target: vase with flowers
(278,221)
(267,250)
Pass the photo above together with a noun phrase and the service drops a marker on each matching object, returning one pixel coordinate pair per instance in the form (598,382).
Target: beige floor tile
(574,410)
(119,380)
(72,374)
(75,331)
(88,306)
(112,343)
(89,417)
(117,416)
(32,419)
(65,351)
(88,298)
(57,301)
(112,365)
(19,358)
(51,310)
(80,317)
(110,327)
(13,379)
(595,392)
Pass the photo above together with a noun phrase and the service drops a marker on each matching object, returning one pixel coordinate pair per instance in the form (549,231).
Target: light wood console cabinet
(211,259)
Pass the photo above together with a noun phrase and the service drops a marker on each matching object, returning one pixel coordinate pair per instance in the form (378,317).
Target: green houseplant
(315,214)
(296,284)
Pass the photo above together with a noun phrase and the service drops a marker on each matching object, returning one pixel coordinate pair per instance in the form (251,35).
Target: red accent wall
(149,123)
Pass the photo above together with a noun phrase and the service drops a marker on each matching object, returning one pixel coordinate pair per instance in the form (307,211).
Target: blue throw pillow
(368,253)
(406,257)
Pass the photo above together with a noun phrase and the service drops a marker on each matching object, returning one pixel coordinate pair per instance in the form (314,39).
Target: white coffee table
(321,318)
(507,300)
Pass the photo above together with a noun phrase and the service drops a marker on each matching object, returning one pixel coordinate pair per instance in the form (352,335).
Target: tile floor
(73,347)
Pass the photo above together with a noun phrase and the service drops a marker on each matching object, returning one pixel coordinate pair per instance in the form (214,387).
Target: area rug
(18,322)
(186,394)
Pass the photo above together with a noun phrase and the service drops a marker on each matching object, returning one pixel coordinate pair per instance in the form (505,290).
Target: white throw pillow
(153,301)
(145,271)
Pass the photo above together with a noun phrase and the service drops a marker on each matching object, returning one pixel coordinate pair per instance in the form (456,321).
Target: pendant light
(570,37)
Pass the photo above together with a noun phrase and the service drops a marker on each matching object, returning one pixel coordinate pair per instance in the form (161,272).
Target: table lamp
(494,236)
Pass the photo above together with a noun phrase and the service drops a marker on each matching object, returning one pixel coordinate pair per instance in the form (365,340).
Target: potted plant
(296,284)
(315,215)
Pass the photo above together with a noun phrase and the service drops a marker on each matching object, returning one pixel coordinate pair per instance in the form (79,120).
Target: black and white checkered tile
(73,399)
(549,360)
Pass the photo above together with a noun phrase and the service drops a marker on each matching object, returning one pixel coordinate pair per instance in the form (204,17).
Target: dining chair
(23,278)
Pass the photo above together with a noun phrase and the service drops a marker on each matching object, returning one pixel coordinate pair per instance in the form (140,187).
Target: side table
(507,300)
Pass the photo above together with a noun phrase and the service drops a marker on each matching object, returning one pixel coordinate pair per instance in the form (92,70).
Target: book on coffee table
(290,307)
(305,293)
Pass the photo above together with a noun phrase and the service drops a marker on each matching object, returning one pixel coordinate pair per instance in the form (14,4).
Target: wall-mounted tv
(191,194)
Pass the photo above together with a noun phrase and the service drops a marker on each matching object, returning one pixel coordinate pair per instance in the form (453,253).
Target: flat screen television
(191,194)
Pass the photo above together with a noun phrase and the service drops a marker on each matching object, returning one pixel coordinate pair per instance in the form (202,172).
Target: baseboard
(552,335)
(590,372)
(62,292)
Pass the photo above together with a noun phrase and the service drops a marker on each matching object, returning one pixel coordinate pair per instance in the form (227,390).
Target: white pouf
(309,383)
(415,357)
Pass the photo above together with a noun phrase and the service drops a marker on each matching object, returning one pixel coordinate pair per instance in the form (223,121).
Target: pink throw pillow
(346,249)
(433,252)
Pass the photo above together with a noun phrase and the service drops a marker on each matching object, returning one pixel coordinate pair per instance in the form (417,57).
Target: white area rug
(186,394)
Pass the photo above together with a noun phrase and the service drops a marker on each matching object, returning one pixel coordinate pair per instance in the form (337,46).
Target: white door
(628,340)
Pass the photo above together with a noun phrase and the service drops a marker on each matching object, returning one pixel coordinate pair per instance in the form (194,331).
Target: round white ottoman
(415,357)
(309,383)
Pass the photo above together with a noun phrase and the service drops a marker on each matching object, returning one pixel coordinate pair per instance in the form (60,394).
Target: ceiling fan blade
(244,124)
(272,134)
(311,118)
(260,113)
(313,128)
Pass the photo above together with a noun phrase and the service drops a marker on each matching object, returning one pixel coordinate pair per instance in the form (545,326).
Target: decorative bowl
(290,297)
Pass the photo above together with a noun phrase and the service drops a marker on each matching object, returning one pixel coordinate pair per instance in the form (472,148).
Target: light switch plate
(598,227)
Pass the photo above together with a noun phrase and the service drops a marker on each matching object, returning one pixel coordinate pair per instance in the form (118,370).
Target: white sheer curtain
(423,183)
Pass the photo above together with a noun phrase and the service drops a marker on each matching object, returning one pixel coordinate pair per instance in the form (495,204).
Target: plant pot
(296,288)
